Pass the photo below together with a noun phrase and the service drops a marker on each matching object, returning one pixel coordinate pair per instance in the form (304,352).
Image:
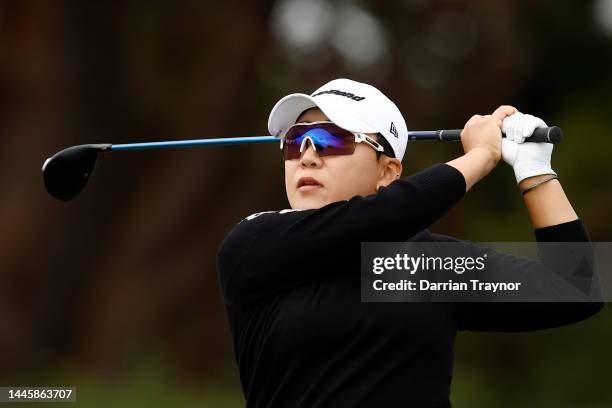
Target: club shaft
(552,134)
(195,142)
(540,135)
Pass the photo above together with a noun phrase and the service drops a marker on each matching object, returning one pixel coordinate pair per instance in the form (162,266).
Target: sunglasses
(327,139)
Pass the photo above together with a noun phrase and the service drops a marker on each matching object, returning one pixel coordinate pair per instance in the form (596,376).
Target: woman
(290,279)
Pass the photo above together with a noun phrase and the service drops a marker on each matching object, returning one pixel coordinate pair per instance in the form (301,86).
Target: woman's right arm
(270,252)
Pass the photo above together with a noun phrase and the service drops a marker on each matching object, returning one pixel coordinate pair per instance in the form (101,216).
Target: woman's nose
(309,156)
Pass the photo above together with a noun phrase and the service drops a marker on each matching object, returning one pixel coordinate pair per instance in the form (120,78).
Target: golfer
(290,279)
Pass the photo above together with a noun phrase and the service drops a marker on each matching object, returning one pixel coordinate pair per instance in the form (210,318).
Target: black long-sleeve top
(290,281)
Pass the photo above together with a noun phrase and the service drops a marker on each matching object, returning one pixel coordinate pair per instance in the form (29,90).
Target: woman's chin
(308,202)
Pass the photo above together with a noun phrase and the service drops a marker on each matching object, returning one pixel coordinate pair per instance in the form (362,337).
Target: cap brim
(287,110)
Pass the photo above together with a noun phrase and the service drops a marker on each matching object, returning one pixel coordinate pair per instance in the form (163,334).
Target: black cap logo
(341,93)
(393,130)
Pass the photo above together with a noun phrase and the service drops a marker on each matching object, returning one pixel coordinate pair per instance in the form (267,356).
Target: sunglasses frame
(359,137)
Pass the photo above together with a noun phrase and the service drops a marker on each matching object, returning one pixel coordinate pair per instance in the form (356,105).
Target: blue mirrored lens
(320,137)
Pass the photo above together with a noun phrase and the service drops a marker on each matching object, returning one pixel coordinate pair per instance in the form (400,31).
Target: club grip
(553,134)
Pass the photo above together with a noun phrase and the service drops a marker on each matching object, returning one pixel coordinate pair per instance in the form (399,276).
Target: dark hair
(388,149)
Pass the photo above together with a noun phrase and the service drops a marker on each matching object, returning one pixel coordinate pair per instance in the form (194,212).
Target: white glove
(527,159)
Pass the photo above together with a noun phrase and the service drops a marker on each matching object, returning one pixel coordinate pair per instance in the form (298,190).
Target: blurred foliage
(89,287)
(150,381)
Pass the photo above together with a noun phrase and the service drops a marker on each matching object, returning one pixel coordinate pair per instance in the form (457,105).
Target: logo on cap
(340,93)
(393,130)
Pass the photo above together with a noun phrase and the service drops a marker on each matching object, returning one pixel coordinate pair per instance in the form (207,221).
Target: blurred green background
(116,292)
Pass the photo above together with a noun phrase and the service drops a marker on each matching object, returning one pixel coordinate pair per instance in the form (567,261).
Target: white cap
(352,105)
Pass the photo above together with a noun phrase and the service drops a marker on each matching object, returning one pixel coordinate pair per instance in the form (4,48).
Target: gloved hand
(528,159)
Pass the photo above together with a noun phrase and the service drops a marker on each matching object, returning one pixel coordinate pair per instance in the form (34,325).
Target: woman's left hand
(528,159)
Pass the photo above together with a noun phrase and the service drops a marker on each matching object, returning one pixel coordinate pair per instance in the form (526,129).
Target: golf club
(66,172)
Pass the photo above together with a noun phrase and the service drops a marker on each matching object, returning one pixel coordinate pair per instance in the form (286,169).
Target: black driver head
(66,172)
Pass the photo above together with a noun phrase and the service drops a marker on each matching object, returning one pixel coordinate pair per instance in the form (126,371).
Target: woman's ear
(390,170)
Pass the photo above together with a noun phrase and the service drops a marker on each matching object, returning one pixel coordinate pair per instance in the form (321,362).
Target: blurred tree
(128,269)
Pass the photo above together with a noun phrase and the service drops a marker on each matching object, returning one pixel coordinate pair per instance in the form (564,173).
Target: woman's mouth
(306,184)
